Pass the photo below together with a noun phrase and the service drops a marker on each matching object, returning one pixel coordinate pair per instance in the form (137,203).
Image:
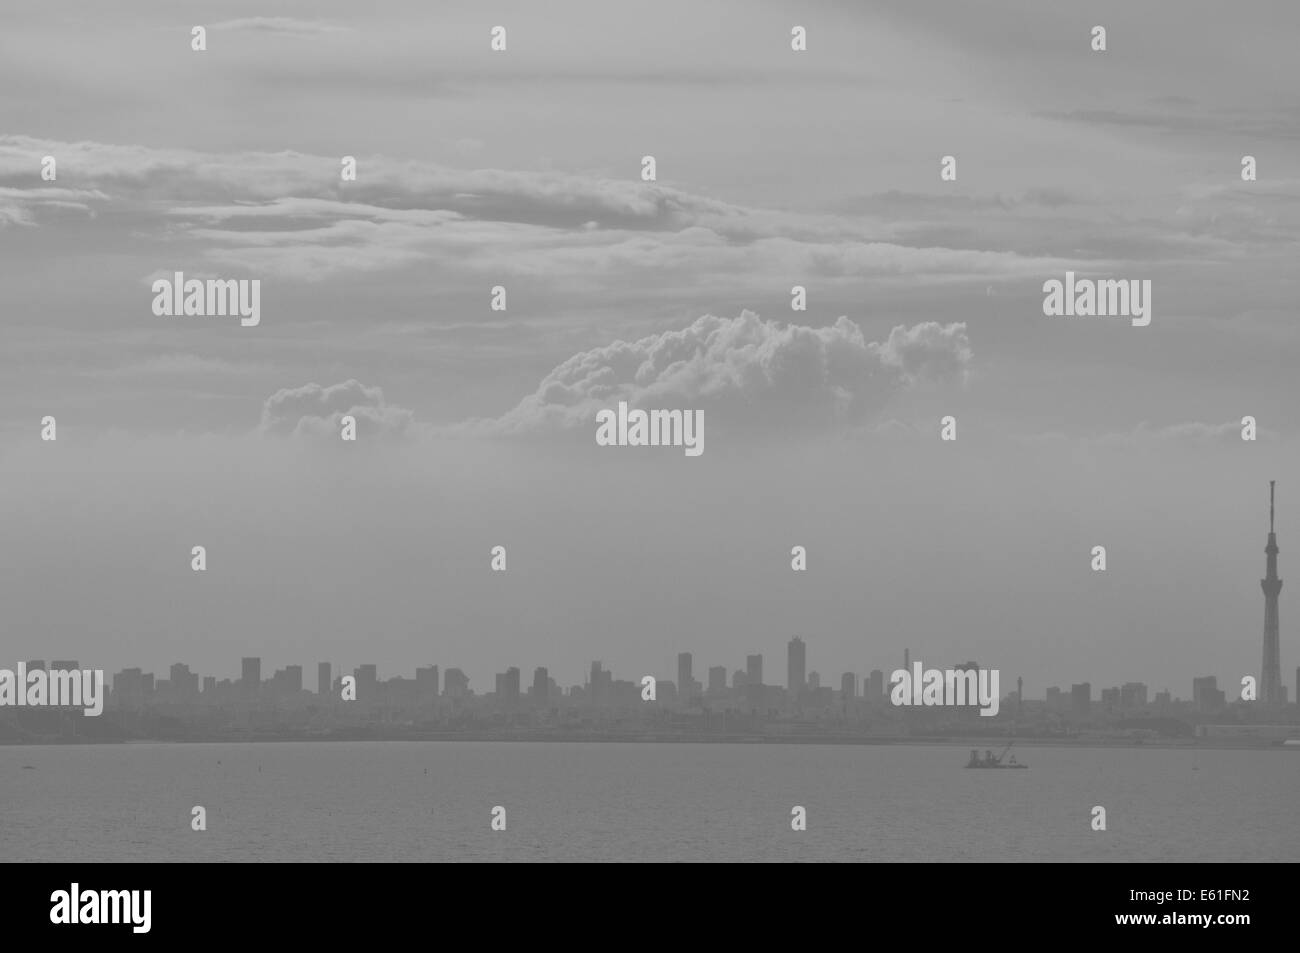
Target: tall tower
(1270,676)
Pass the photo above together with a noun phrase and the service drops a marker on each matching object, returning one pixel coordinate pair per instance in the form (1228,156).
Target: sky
(522,169)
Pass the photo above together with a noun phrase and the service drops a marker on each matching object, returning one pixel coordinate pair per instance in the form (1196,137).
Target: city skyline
(476,426)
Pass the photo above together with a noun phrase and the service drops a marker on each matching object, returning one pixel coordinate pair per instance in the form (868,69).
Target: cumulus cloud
(745,370)
(313,410)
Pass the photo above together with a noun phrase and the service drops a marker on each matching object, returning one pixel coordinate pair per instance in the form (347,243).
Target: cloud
(313,410)
(745,370)
(278,25)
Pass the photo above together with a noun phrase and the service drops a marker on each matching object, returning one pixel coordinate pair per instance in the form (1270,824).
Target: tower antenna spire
(1270,505)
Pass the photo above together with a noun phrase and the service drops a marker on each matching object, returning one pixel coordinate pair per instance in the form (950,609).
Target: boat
(989,762)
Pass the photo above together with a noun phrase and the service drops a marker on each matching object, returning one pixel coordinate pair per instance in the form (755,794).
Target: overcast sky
(522,169)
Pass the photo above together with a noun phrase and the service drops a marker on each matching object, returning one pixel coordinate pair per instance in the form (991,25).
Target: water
(372,801)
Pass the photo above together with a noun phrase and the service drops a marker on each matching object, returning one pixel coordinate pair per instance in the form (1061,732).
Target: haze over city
(476,428)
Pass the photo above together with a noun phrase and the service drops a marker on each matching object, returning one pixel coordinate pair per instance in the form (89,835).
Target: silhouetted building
(508,688)
(250,679)
(684,676)
(877,683)
(541,685)
(324,685)
(1081,698)
(426,682)
(848,686)
(1133,695)
(796,661)
(753,669)
(455,684)
(367,677)
(64,665)
(718,680)
(1270,679)
(1206,695)
(184,683)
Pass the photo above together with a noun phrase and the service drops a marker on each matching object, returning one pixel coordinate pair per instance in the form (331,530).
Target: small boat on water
(991,763)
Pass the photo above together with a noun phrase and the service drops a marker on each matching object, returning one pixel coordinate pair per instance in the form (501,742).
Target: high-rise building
(848,685)
(796,661)
(250,680)
(508,688)
(1270,676)
(717,680)
(1081,698)
(426,681)
(323,683)
(684,677)
(1133,695)
(1206,695)
(541,685)
(455,684)
(64,665)
(814,681)
(753,669)
(185,684)
(877,690)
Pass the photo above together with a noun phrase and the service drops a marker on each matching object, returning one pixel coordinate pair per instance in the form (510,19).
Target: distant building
(367,677)
(323,683)
(426,681)
(250,679)
(754,670)
(848,686)
(507,688)
(684,676)
(1206,695)
(739,680)
(718,680)
(1081,698)
(455,684)
(877,683)
(795,666)
(541,685)
(1133,695)
(64,665)
(184,683)
(1110,699)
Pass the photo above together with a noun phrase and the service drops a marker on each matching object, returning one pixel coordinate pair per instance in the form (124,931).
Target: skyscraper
(796,660)
(684,678)
(754,669)
(250,676)
(1270,676)
(323,684)
(717,680)
(541,685)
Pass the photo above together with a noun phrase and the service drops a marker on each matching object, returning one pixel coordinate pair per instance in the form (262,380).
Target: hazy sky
(774,168)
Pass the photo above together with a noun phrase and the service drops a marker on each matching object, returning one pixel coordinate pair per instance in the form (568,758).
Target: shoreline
(893,741)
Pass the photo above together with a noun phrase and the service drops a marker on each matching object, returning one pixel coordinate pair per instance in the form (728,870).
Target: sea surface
(433,801)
